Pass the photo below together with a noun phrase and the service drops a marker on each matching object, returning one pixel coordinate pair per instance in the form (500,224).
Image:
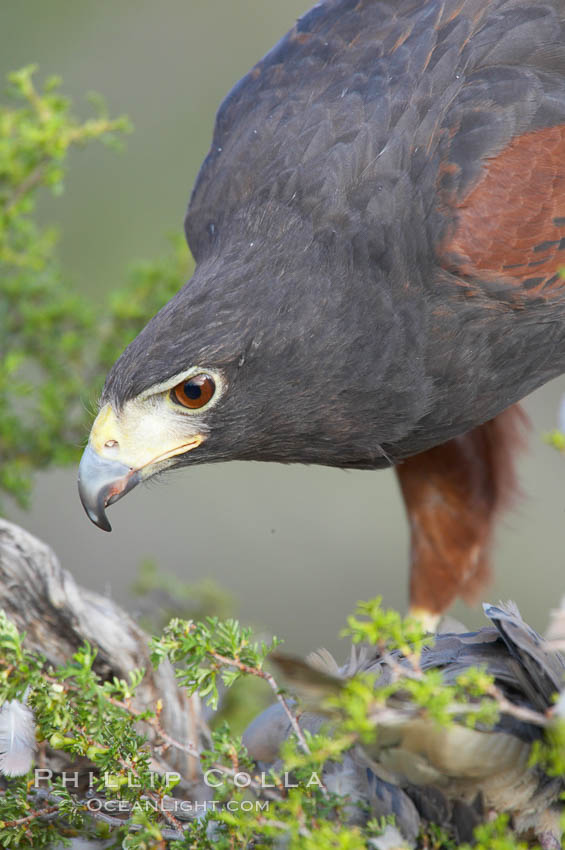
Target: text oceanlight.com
(176,807)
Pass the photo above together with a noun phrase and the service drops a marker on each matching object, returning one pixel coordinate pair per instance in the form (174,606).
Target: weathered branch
(43,600)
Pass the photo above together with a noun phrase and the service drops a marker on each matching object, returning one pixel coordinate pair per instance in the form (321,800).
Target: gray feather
(17,738)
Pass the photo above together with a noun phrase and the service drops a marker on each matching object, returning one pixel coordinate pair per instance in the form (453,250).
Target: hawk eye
(194,393)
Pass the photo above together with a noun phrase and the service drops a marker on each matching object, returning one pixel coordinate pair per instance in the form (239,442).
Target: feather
(17,738)
(389,839)
(311,684)
(559,707)
(540,671)
(323,660)
(556,628)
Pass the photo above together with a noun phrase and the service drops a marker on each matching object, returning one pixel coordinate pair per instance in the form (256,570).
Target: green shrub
(77,712)
(55,346)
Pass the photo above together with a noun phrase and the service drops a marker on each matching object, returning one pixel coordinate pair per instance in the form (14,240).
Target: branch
(58,617)
(32,179)
(262,674)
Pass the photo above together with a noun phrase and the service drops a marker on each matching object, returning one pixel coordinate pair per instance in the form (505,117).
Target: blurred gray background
(296,546)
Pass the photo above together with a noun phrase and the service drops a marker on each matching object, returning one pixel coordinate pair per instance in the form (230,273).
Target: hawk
(378,230)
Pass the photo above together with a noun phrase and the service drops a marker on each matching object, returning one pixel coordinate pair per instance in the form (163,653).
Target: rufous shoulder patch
(512,222)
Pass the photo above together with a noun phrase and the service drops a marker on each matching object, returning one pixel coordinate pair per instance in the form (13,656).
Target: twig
(95,814)
(33,178)
(35,814)
(262,674)
(528,715)
(191,750)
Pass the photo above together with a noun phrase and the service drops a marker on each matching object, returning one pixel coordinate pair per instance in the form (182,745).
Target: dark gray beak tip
(102,482)
(98,517)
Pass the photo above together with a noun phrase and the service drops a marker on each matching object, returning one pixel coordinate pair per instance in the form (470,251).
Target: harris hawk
(378,230)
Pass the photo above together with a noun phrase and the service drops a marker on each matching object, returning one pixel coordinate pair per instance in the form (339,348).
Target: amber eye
(194,393)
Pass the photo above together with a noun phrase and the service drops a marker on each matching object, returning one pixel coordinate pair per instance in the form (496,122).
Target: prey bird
(378,230)
(419,770)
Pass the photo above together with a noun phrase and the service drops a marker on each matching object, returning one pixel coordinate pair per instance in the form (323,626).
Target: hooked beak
(124,450)
(101,482)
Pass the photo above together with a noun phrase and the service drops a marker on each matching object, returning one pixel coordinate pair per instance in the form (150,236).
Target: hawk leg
(453,495)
